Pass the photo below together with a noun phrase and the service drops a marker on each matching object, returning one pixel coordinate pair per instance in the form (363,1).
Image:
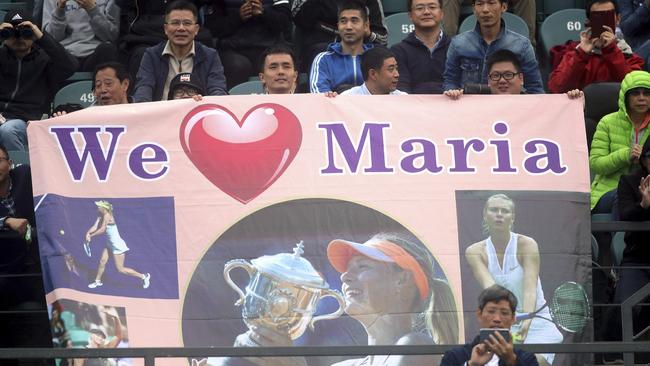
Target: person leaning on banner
(185,86)
(278,71)
(180,53)
(616,145)
(504,77)
(469,50)
(496,310)
(33,64)
(379,69)
(604,58)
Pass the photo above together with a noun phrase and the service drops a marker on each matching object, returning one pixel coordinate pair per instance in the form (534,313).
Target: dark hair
(590,3)
(496,293)
(503,55)
(409,4)
(119,68)
(278,49)
(500,1)
(374,59)
(182,5)
(354,5)
(4,149)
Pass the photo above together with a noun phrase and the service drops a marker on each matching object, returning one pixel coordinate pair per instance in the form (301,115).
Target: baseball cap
(15,17)
(185,79)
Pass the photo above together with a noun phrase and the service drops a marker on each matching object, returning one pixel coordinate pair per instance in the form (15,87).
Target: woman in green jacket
(616,145)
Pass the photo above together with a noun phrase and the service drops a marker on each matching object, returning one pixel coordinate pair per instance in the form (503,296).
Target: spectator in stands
(616,146)
(317,24)
(496,309)
(110,83)
(605,58)
(20,257)
(468,51)
(379,69)
(278,71)
(245,28)
(422,55)
(526,9)
(339,67)
(33,64)
(185,86)
(141,26)
(180,53)
(88,29)
(505,77)
(635,24)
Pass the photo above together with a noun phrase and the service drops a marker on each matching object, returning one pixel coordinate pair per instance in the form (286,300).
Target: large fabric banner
(306,220)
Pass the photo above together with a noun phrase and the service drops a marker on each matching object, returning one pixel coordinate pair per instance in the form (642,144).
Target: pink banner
(155,218)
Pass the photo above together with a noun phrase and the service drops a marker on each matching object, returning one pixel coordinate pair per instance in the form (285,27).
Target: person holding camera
(33,64)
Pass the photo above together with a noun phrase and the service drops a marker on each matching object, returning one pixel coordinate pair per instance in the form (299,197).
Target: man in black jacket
(496,309)
(421,56)
(32,64)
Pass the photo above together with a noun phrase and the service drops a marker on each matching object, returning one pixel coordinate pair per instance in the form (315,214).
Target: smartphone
(598,19)
(486,332)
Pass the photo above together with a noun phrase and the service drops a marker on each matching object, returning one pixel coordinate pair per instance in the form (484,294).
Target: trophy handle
(337,295)
(235,263)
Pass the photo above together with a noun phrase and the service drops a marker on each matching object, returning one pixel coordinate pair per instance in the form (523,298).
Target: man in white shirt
(379,69)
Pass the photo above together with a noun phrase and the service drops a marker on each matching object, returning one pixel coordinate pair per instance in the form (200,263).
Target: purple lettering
(374,132)
(461,149)
(503,153)
(551,157)
(138,160)
(428,156)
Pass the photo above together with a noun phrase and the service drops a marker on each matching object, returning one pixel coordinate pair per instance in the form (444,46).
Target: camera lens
(25,32)
(6,33)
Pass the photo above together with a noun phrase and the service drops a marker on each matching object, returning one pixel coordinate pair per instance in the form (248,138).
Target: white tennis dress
(115,241)
(511,276)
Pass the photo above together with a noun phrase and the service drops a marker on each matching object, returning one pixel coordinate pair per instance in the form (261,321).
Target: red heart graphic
(242,158)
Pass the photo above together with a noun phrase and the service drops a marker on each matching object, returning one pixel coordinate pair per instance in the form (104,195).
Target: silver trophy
(282,292)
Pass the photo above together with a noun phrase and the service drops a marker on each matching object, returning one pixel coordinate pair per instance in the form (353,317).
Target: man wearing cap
(33,64)
(185,86)
(496,310)
(180,53)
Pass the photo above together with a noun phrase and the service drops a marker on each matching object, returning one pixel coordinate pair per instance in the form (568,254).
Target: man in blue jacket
(180,53)
(339,67)
(496,309)
(635,24)
(469,50)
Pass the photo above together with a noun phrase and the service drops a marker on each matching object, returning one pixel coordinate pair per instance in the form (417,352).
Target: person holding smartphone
(496,312)
(601,55)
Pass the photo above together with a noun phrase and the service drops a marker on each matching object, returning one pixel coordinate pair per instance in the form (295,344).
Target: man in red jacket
(604,58)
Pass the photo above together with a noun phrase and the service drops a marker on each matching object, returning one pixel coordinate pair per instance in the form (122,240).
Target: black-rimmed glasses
(496,76)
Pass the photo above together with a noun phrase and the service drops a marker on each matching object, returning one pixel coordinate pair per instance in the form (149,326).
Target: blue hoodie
(333,68)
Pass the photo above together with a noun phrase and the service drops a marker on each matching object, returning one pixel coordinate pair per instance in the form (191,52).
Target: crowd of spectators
(141,51)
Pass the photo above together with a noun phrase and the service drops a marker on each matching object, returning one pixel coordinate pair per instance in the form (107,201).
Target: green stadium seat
(560,27)
(248,87)
(594,249)
(8,6)
(19,157)
(78,92)
(552,6)
(78,337)
(618,246)
(394,6)
(2,14)
(80,76)
(399,26)
(513,22)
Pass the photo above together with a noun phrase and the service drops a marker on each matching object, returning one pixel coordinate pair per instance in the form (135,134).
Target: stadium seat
(560,27)
(78,337)
(513,22)
(7,6)
(594,249)
(80,76)
(600,99)
(19,157)
(69,319)
(78,92)
(2,14)
(399,26)
(248,87)
(618,246)
(394,6)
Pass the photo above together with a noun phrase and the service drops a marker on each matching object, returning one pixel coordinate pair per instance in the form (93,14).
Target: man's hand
(575,94)
(6,25)
(17,224)
(504,349)
(644,188)
(331,94)
(59,113)
(37,32)
(607,37)
(480,355)
(454,94)
(586,43)
(635,152)
(86,4)
(257,7)
(246,11)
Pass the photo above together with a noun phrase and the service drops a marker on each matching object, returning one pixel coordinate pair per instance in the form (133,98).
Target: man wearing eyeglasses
(180,53)
(186,86)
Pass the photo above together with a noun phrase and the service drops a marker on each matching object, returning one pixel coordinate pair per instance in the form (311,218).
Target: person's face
(352,27)
(185,92)
(426,13)
(498,214)
(386,78)
(604,7)
(639,101)
(109,90)
(488,12)
(181,27)
(280,75)
(5,167)
(503,78)
(496,315)
(19,45)
(96,340)
(366,286)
